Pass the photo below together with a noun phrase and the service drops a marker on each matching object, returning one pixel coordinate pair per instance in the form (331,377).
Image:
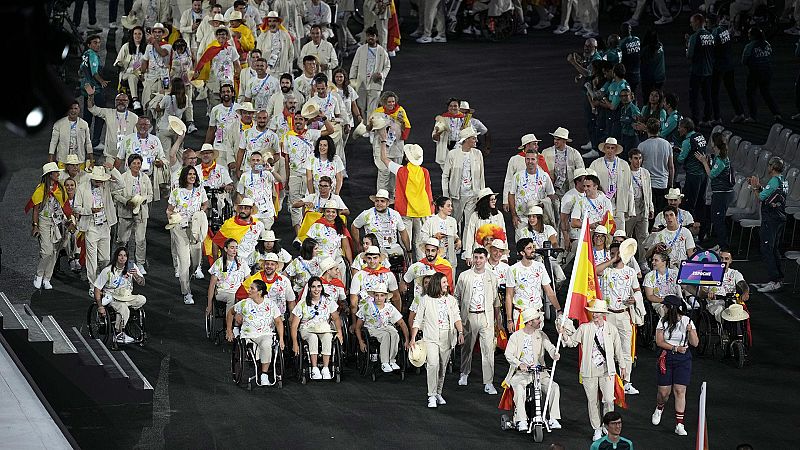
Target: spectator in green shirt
(724,66)
(720,173)
(700,51)
(757,56)
(773,221)
(630,48)
(628,114)
(652,62)
(694,187)
(612,104)
(613,440)
(669,129)
(91,75)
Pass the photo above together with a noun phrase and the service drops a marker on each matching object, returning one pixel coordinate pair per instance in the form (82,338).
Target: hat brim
(99,178)
(560,137)
(418,360)
(214,151)
(739,316)
(487,195)
(602,147)
(373,198)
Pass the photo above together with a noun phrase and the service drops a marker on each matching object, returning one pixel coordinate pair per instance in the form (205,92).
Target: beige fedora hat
(673,194)
(734,313)
(98,173)
(627,249)
(598,306)
(418,354)
(529,314)
(310,110)
(414,153)
(72,158)
(209,148)
(561,133)
(50,168)
(527,139)
(177,125)
(327,264)
(610,141)
(174,220)
(137,201)
(382,193)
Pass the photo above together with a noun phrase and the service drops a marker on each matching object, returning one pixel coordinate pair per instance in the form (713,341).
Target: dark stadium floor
(516,87)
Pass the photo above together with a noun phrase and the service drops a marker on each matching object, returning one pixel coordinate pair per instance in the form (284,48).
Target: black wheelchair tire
(97,325)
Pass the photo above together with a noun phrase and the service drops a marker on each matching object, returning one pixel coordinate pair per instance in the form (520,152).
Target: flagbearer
(525,349)
(244,227)
(431,263)
(600,347)
(51,210)
(526,281)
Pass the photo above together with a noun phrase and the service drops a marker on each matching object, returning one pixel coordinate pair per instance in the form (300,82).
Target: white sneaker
(587,146)
(264,379)
(770,287)
(424,40)
(198,274)
(137,104)
(142,272)
(432,402)
(664,21)
(680,430)
(561,29)
(554,424)
(598,433)
(440,40)
(187,299)
(416,34)
(37,282)
(656,419)
(326,373)
(123,338)
(394,365)
(386,368)
(462,380)
(630,390)
(589,34)
(191,128)
(489,389)
(440,399)
(46,284)
(177,275)
(100,147)
(591,154)
(315,373)
(522,426)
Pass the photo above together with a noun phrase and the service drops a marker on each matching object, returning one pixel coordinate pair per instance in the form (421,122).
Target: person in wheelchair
(525,349)
(305,266)
(660,282)
(371,275)
(227,274)
(114,287)
(311,317)
(360,260)
(280,288)
(380,319)
(732,282)
(244,227)
(261,320)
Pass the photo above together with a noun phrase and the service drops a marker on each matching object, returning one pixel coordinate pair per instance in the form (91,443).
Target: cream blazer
(647,190)
(623,201)
(428,316)
(83,201)
(515,164)
(286,56)
(584,335)
(139,11)
(325,53)
(574,161)
(113,121)
(121,196)
(463,292)
(513,353)
(451,174)
(59,140)
(358,68)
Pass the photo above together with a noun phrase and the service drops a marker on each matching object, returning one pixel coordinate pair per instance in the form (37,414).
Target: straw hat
(360,130)
(467,133)
(270,257)
(529,314)
(247,202)
(673,194)
(591,173)
(620,233)
(137,201)
(735,313)
(499,244)
(222,28)
(579,172)
(379,288)
(414,153)
(330,204)
(268,236)
(274,15)
(535,210)
(219,18)
(158,25)
(601,229)
(177,125)
(72,158)
(598,306)
(50,168)
(235,15)
(310,110)
(527,139)
(418,354)
(464,105)
(440,125)
(382,193)
(246,106)
(327,264)
(372,250)
(485,192)
(210,148)
(128,22)
(379,122)
(610,141)
(174,219)
(122,294)
(98,173)
(627,249)
(561,133)
(432,241)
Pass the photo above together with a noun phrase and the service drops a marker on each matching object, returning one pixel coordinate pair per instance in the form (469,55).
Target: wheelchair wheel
(504,422)
(135,326)
(336,360)
(237,361)
(738,353)
(538,432)
(674,6)
(279,368)
(704,331)
(99,327)
(210,326)
(402,355)
(498,28)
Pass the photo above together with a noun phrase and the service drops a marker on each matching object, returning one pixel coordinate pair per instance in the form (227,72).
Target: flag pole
(702,428)
(565,311)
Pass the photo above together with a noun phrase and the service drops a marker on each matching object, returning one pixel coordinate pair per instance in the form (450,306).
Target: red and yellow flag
(202,69)
(442,266)
(413,195)
(619,392)
(233,228)
(583,285)
(609,223)
(393,36)
(56,191)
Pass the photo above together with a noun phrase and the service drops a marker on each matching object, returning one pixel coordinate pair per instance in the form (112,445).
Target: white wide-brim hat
(735,313)
(137,201)
(561,133)
(310,110)
(418,354)
(379,288)
(382,193)
(529,314)
(98,173)
(176,125)
(527,139)
(414,153)
(485,192)
(327,264)
(50,168)
(174,220)
(246,106)
(579,172)
(467,133)
(673,194)
(627,249)
(610,141)
(598,306)
(210,148)
(72,158)
(267,236)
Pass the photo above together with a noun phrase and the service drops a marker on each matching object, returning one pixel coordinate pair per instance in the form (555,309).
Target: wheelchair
(534,405)
(647,331)
(369,361)
(244,366)
(215,323)
(220,209)
(303,361)
(708,330)
(734,338)
(103,327)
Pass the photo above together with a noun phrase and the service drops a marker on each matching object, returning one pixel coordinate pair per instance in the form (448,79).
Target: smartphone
(165,82)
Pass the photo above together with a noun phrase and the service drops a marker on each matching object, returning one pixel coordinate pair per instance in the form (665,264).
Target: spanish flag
(413,196)
(245,43)
(393,36)
(57,191)
(442,266)
(203,68)
(325,222)
(610,223)
(583,285)
(619,392)
(264,27)
(395,113)
(233,228)
(242,294)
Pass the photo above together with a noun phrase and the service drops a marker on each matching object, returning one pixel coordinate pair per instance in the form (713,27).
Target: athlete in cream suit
(368,72)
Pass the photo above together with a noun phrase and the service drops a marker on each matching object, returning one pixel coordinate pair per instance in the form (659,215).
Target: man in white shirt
(219,116)
(119,121)
(318,13)
(526,281)
(498,263)
(370,276)
(385,222)
(322,50)
(258,138)
(529,187)
(620,288)
(636,226)
(262,87)
(304,83)
(316,201)
(463,176)
(593,203)
(71,136)
(224,66)
(258,183)
(476,291)
(673,198)
(156,63)
(614,174)
(676,240)
(562,160)
(568,201)
(516,163)
(326,101)
(369,70)
(283,120)
(214,176)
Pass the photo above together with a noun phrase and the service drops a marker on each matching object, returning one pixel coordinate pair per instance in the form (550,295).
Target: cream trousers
(98,249)
(325,340)
(436,364)
(187,256)
(389,339)
(476,327)
(606,386)
(623,323)
(123,310)
(519,383)
(137,227)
